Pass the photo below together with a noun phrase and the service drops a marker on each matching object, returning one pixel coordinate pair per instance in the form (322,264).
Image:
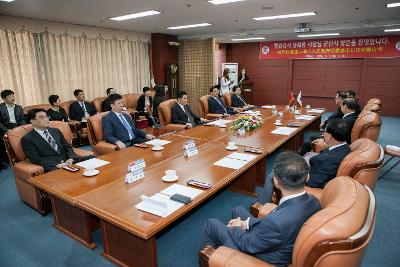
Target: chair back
(228,99)
(130,100)
(95,128)
(97,103)
(43,106)
(374,104)
(164,111)
(65,105)
(339,233)
(367,125)
(363,163)
(204,105)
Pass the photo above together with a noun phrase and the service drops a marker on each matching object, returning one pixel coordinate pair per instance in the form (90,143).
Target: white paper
(182,190)
(314,110)
(304,117)
(284,130)
(159,205)
(266,106)
(242,156)
(92,163)
(391,147)
(230,163)
(158,141)
(251,112)
(220,122)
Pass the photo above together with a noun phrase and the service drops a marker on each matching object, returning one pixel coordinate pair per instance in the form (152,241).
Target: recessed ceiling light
(247,39)
(318,35)
(7,0)
(287,16)
(392,30)
(219,2)
(189,26)
(393,5)
(137,15)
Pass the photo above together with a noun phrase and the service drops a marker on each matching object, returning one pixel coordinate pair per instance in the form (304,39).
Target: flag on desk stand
(299,100)
(291,98)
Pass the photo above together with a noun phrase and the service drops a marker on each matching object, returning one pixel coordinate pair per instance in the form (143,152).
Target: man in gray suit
(11,116)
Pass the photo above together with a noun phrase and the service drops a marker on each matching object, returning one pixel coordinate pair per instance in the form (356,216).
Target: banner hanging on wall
(335,48)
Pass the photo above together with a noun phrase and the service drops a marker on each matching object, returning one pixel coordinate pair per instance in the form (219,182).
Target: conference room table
(80,203)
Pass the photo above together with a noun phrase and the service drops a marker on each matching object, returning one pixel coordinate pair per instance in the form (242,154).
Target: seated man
(145,105)
(271,238)
(118,127)
(105,104)
(216,105)
(81,110)
(47,146)
(348,109)
(340,96)
(11,116)
(324,166)
(352,94)
(237,99)
(182,114)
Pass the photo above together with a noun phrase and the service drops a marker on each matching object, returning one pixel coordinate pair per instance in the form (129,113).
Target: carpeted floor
(28,239)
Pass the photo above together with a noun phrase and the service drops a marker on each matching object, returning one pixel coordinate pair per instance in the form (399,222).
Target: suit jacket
(40,152)
(59,115)
(324,166)
(350,119)
(237,101)
(115,131)
(141,103)
(335,115)
(76,111)
(272,238)
(105,105)
(358,107)
(218,107)
(178,116)
(5,118)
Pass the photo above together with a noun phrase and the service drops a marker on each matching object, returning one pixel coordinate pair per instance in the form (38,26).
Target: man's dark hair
(234,88)
(145,89)
(114,97)
(351,93)
(342,94)
(181,94)
(32,113)
(212,88)
(77,91)
(291,170)
(109,90)
(53,99)
(6,93)
(338,128)
(350,103)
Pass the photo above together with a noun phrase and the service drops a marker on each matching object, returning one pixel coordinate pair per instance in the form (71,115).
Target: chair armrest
(266,209)
(174,127)
(227,257)
(82,152)
(102,148)
(317,192)
(212,116)
(26,170)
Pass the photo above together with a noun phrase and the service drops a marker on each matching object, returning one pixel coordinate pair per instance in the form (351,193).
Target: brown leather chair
(28,108)
(164,114)
(367,125)
(228,99)
(23,169)
(130,101)
(374,104)
(204,109)
(97,103)
(96,136)
(80,135)
(337,235)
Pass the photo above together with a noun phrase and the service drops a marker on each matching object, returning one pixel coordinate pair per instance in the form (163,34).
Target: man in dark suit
(348,109)
(271,238)
(237,99)
(352,94)
(182,114)
(118,127)
(47,146)
(11,116)
(216,105)
(105,104)
(340,96)
(81,110)
(145,105)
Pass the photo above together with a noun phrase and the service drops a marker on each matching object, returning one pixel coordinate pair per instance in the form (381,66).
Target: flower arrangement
(247,123)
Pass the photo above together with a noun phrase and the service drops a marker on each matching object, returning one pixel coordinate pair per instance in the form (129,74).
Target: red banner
(352,47)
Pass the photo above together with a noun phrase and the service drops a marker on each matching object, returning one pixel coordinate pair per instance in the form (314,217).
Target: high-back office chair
(164,114)
(367,125)
(26,109)
(96,135)
(130,102)
(337,235)
(204,109)
(97,103)
(228,99)
(23,169)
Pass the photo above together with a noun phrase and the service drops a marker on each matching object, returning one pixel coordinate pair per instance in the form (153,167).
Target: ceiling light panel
(248,39)
(392,30)
(137,15)
(393,5)
(220,2)
(189,26)
(318,35)
(287,16)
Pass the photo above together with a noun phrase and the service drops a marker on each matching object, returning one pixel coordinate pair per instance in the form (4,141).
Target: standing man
(105,104)
(182,114)
(81,110)
(11,116)
(118,127)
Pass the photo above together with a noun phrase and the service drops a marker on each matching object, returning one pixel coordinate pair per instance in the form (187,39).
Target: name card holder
(135,171)
(190,149)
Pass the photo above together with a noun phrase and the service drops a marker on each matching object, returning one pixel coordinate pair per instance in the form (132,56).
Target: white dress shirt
(41,133)
(333,147)
(11,113)
(82,104)
(345,115)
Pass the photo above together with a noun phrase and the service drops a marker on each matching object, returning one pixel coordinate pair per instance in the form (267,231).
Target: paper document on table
(90,163)
(220,122)
(182,190)
(266,106)
(158,141)
(158,204)
(251,112)
(309,155)
(241,156)
(316,110)
(304,117)
(284,130)
(230,163)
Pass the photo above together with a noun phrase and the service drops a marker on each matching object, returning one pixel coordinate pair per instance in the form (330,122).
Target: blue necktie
(219,102)
(51,141)
(127,127)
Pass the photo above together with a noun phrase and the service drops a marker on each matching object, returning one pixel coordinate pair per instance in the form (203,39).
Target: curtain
(196,69)
(38,65)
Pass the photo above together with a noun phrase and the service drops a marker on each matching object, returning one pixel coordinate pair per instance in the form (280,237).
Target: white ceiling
(349,17)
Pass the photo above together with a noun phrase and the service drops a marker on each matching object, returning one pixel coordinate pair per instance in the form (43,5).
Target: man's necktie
(127,127)
(191,120)
(85,110)
(219,102)
(50,140)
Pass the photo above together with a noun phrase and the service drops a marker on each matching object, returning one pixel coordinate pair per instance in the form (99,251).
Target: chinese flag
(291,98)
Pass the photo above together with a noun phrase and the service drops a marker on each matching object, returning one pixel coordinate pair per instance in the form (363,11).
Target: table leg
(127,249)
(246,184)
(74,222)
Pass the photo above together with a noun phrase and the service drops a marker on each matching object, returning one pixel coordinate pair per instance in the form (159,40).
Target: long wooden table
(129,235)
